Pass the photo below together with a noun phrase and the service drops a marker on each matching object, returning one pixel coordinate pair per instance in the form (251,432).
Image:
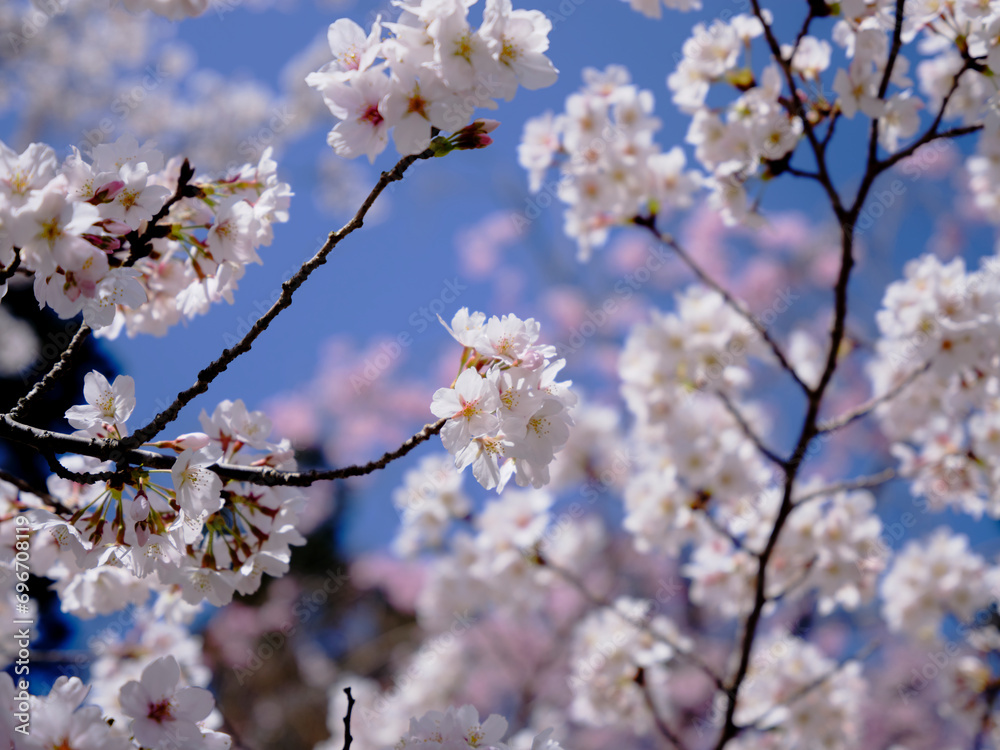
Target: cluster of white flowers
(433,71)
(796,696)
(201,537)
(460,729)
(611,169)
(507,414)
(963,40)
(76,226)
(498,565)
(160,712)
(430,498)
(668,369)
(945,426)
(610,648)
(930,579)
(704,345)
(755,129)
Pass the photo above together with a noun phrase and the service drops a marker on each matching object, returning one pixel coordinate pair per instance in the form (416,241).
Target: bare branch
(58,369)
(596,601)
(868,406)
(140,246)
(23,486)
(347,719)
(859,483)
(861,655)
(51,443)
(668,734)
(739,307)
(756,439)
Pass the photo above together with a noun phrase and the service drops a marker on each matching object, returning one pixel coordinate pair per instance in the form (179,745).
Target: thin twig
(24,486)
(861,655)
(347,719)
(68,355)
(216,368)
(668,734)
(735,304)
(815,395)
(756,439)
(859,483)
(596,601)
(870,405)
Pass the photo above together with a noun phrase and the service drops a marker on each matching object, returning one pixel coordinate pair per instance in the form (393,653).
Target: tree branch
(668,734)
(867,407)
(859,483)
(347,719)
(139,247)
(216,368)
(58,369)
(650,224)
(51,443)
(749,432)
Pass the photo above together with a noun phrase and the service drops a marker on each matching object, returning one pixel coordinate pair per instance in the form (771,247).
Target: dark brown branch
(596,601)
(141,244)
(216,368)
(756,439)
(802,692)
(51,443)
(43,495)
(815,395)
(664,729)
(58,369)
(347,719)
(818,147)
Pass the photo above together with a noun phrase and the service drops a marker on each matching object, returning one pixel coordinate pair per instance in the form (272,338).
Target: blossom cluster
(611,169)
(507,414)
(197,536)
(84,230)
(432,72)
(160,712)
(828,704)
(611,647)
(945,424)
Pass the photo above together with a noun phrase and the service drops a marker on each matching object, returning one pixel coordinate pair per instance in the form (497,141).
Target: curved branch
(870,405)
(51,443)
(68,355)
(703,276)
(860,483)
(756,439)
(216,368)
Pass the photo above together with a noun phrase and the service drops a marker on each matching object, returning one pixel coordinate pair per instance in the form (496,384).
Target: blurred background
(330,372)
